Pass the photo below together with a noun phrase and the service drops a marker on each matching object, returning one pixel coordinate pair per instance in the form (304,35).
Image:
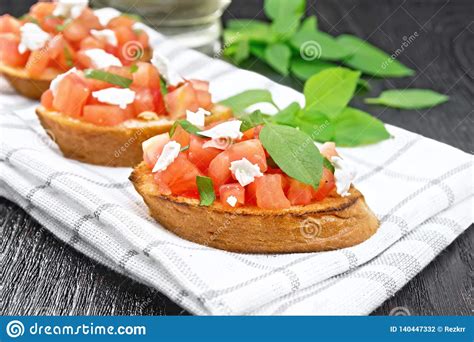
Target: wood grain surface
(41,275)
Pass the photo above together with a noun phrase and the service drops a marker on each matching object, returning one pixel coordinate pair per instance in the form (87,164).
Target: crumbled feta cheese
(106,14)
(344,174)
(70,8)
(197,118)
(101,59)
(232,200)
(163,66)
(115,96)
(168,155)
(139,26)
(32,38)
(55,82)
(109,36)
(244,171)
(228,129)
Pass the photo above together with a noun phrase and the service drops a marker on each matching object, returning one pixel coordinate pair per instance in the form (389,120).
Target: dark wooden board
(41,275)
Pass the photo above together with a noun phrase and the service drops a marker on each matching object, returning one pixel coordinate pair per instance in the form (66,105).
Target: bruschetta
(102,116)
(54,37)
(251,204)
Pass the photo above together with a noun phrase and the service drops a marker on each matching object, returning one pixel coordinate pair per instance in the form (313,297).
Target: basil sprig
(108,77)
(409,98)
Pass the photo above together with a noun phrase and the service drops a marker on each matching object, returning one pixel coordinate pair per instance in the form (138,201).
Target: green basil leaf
(317,125)
(68,56)
(371,60)
(276,9)
(206,190)
(285,27)
(253,119)
(309,24)
(184,148)
(163,88)
(330,91)
(133,68)
(238,103)
(318,45)
(247,29)
(108,77)
(305,69)
(278,57)
(257,49)
(409,98)
(187,126)
(294,152)
(363,86)
(354,127)
(287,116)
(63,26)
(242,51)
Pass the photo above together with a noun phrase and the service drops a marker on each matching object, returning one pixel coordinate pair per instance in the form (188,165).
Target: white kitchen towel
(420,189)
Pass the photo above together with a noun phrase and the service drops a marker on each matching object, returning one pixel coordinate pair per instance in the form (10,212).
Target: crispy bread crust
(119,145)
(33,88)
(336,222)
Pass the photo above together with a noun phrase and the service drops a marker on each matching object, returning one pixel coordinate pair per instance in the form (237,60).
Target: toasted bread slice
(33,88)
(334,223)
(119,145)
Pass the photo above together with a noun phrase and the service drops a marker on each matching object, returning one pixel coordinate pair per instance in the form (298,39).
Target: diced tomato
(89,20)
(91,43)
(37,62)
(326,184)
(104,115)
(203,96)
(329,150)
(75,32)
(181,99)
(251,194)
(146,76)
(47,99)
(269,192)
(50,23)
(219,169)
(234,189)
(9,24)
(9,54)
(67,57)
(121,21)
(199,156)
(159,101)
(124,34)
(153,147)
(143,101)
(55,46)
(299,193)
(40,10)
(179,177)
(71,96)
(252,150)
(181,136)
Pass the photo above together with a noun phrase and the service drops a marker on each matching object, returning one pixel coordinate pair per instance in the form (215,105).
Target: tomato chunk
(179,177)
(299,193)
(37,62)
(219,169)
(104,115)
(326,185)
(153,147)
(252,150)
(199,156)
(47,99)
(75,32)
(181,136)
(9,54)
(269,192)
(146,76)
(71,96)
(235,190)
(177,101)
(9,24)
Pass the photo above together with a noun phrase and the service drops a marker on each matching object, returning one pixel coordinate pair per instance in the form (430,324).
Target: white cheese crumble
(344,174)
(107,34)
(106,14)
(197,118)
(101,59)
(163,65)
(139,26)
(32,38)
(168,155)
(55,82)
(232,200)
(244,171)
(228,129)
(115,96)
(70,8)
